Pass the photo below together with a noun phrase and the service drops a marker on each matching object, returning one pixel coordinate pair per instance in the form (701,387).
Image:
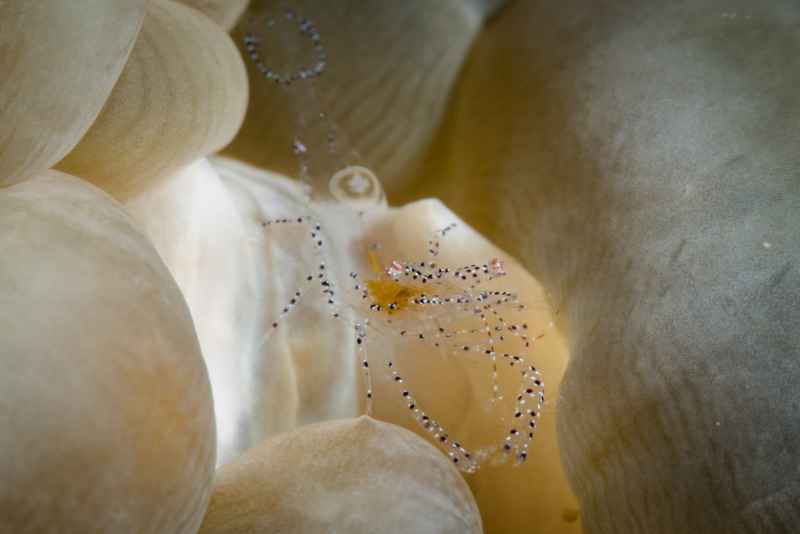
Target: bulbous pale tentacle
(509,496)
(107,418)
(391,67)
(59,61)
(206,222)
(181,96)
(641,158)
(224,12)
(351,475)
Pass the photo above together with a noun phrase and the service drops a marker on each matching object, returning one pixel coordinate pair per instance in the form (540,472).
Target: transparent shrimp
(419,300)
(449,308)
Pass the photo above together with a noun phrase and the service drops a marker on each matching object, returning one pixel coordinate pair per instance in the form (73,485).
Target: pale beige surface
(59,61)
(223,12)
(641,158)
(182,95)
(533,497)
(206,223)
(106,408)
(349,476)
(391,66)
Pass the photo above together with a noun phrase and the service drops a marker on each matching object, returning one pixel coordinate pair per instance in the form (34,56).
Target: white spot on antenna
(298,147)
(359,184)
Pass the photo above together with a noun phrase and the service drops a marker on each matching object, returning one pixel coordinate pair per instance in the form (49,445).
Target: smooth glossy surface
(106,411)
(349,476)
(59,61)
(182,95)
(641,159)
(223,12)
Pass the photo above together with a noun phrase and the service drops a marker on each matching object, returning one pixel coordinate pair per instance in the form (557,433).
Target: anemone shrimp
(459,311)
(422,300)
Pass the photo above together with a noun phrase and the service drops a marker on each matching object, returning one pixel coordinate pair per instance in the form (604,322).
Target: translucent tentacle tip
(356,185)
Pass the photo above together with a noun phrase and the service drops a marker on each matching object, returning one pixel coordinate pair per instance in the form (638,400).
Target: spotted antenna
(404,300)
(327,161)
